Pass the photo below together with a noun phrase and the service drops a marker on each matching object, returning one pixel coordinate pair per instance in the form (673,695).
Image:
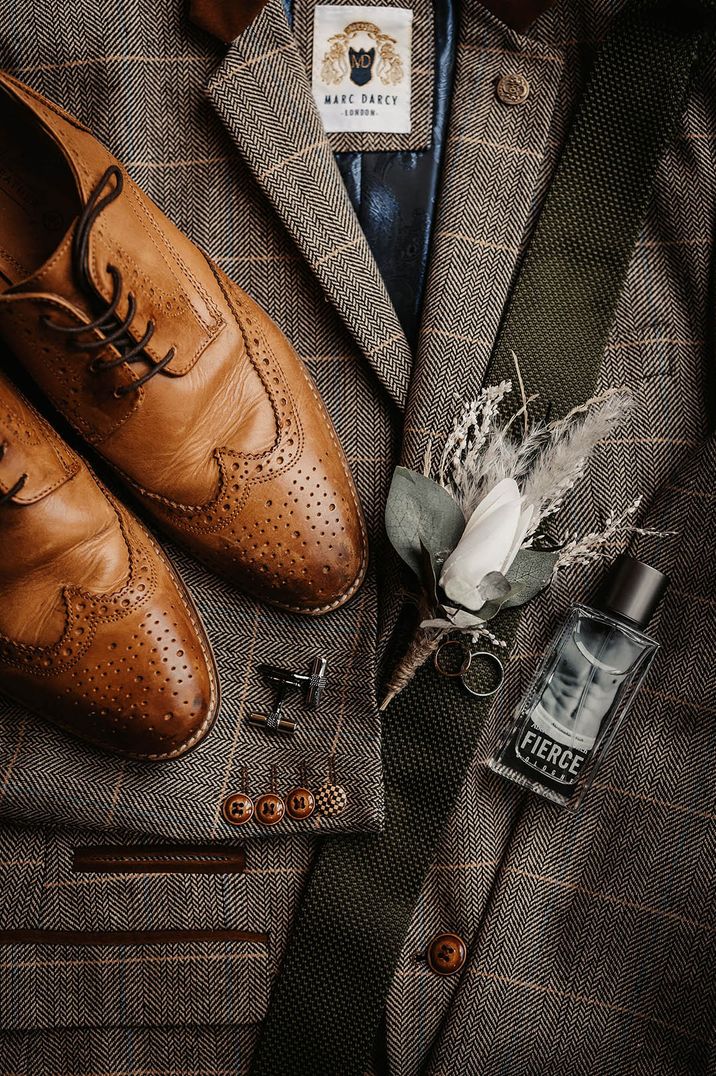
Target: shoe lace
(113,329)
(4,497)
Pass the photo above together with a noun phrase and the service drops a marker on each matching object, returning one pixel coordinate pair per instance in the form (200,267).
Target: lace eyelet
(119,393)
(96,366)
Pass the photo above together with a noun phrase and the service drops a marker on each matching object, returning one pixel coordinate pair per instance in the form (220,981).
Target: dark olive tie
(359,900)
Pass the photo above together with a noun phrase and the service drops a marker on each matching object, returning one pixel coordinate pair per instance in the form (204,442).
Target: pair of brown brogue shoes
(199,404)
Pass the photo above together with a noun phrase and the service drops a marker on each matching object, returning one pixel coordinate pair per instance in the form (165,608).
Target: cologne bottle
(565,723)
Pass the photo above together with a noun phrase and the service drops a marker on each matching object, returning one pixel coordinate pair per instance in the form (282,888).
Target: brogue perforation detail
(238,470)
(276,546)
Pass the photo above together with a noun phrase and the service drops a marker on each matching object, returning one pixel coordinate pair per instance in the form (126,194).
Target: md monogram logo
(343,60)
(361,65)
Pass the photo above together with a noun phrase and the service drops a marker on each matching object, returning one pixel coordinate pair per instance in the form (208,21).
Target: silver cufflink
(284,681)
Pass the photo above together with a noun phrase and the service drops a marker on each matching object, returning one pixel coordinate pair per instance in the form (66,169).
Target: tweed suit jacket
(591,936)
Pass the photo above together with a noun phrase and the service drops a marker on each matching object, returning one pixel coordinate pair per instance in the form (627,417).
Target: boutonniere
(483,537)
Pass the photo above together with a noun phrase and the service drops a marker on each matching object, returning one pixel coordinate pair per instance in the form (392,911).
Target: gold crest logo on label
(342,60)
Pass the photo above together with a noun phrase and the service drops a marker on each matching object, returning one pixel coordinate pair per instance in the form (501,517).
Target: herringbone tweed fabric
(590,935)
(184,1005)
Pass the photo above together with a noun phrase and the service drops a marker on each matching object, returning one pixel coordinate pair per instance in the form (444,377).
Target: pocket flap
(54,979)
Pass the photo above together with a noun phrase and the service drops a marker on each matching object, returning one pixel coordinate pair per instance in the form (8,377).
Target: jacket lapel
(262,94)
(491,175)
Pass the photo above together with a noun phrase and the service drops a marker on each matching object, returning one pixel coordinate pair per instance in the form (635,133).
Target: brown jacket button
(238,808)
(447,954)
(269,809)
(300,803)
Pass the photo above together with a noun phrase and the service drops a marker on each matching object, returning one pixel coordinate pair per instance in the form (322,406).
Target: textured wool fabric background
(591,936)
(558,319)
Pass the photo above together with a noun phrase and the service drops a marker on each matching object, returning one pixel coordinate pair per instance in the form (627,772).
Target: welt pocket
(634,363)
(126,937)
(138,978)
(159,859)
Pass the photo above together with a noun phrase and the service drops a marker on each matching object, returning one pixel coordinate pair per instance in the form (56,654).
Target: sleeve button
(238,808)
(270,809)
(300,803)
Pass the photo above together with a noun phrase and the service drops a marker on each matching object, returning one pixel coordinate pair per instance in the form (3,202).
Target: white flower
(493,535)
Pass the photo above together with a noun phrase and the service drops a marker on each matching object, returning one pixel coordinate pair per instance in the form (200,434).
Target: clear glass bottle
(567,719)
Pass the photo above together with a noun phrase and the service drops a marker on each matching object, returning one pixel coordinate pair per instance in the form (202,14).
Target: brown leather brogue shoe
(97,633)
(163,364)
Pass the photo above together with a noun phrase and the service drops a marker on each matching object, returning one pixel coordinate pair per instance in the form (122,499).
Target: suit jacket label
(362,67)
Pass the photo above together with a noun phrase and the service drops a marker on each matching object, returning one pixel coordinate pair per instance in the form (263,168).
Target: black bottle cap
(631,590)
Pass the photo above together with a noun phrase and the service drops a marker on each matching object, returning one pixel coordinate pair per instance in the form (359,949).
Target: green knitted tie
(360,897)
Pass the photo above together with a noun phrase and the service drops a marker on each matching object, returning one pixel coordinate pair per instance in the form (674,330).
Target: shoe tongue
(32,448)
(56,277)
(164,289)
(153,264)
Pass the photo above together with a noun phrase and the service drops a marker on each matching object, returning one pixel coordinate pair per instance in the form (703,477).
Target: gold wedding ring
(467,658)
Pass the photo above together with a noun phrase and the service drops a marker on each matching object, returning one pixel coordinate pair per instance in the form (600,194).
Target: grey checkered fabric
(591,936)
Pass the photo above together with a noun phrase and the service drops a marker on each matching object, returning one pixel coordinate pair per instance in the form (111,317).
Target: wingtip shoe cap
(97,633)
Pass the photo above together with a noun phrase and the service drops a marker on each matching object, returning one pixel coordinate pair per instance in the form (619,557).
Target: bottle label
(542,744)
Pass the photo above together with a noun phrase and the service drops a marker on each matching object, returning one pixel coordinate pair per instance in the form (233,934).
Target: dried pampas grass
(546,460)
(566,446)
(599,544)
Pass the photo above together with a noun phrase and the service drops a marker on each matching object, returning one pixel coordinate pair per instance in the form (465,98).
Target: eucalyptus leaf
(493,592)
(418,513)
(529,573)
(490,609)
(489,596)
(494,587)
